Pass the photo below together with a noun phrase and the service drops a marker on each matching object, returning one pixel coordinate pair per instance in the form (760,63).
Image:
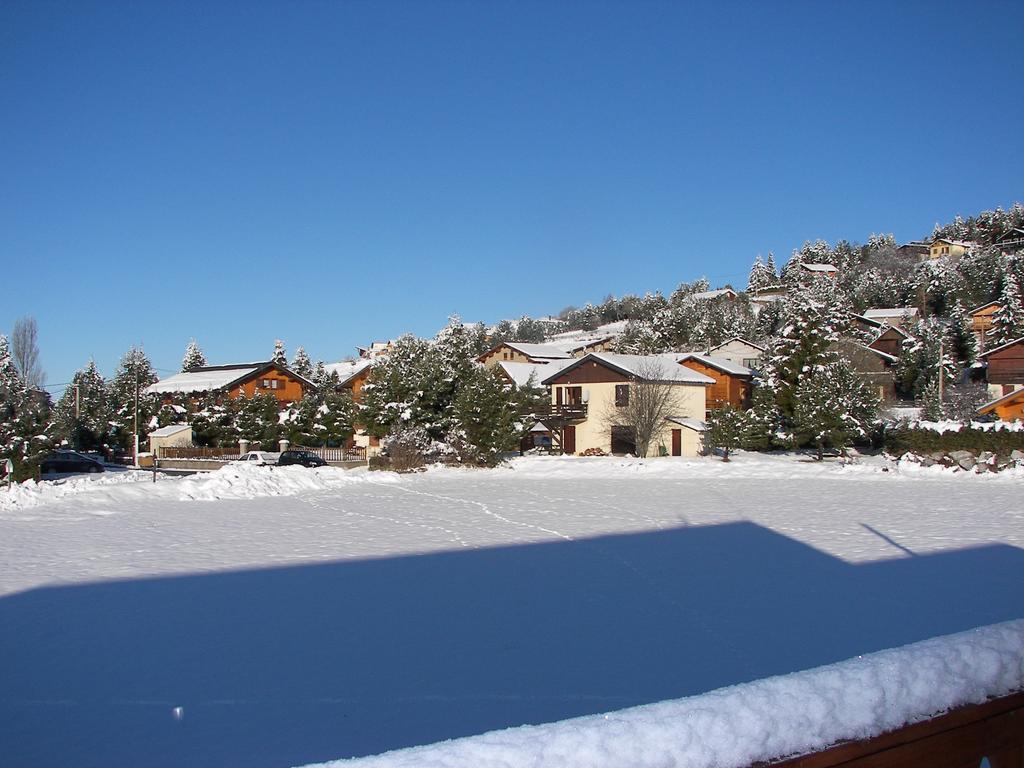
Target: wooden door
(569,440)
(677,442)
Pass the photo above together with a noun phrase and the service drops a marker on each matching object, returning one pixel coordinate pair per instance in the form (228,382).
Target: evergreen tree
(258,420)
(725,430)
(134,373)
(760,277)
(814,317)
(82,415)
(1008,320)
(773,271)
(961,336)
(280,357)
(301,364)
(924,357)
(763,422)
(486,424)
(194,358)
(832,408)
(337,417)
(529,331)
(23,417)
(503,331)
(213,421)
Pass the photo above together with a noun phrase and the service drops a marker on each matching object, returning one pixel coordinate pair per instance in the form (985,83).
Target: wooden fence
(958,739)
(227,453)
(337,454)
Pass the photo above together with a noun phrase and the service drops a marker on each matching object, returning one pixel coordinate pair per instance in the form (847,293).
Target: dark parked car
(69,461)
(302,458)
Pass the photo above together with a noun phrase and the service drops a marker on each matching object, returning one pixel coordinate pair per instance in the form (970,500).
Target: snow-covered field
(298,615)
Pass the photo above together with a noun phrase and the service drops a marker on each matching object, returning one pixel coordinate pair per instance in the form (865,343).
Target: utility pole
(942,368)
(135,365)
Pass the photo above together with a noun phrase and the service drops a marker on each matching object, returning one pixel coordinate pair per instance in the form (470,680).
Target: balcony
(554,415)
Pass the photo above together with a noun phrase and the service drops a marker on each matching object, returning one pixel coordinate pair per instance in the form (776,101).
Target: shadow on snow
(284,666)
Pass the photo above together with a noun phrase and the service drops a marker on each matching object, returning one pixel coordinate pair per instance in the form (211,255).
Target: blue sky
(330,173)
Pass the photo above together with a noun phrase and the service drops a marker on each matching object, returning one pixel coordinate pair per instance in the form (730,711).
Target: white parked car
(259,458)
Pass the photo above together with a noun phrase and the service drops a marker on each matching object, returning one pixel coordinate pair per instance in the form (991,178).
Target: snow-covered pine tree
(23,416)
(1008,320)
(280,357)
(86,396)
(529,331)
(258,420)
(485,424)
(503,331)
(772,269)
(134,371)
(301,363)
(194,358)
(961,335)
(759,277)
(725,429)
(926,355)
(336,418)
(814,317)
(763,420)
(832,407)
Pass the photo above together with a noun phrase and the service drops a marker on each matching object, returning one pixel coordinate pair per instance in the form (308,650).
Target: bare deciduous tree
(25,351)
(651,399)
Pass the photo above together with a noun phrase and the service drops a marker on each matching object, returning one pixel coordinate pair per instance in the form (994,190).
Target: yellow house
(1009,407)
(944,248)
(591,395)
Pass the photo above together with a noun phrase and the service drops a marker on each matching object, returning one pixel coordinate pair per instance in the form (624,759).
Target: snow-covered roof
(645,367)
(981,307)
(961,243)
(886,312)
(348,369)
(714,294)
(1002,347)
(685,421)
(540,426)
(819,267)
(170,429)
(520,373)
(991,404)
(719,363)
(717,293)
(548,351)
(739,339)
(203,380)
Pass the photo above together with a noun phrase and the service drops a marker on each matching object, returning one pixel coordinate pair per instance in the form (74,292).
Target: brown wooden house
(233,381)
(733,382)
(1005,364)
(981,322)
(890,341)
(1009,407)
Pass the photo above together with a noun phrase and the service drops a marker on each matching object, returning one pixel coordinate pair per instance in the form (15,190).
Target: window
(621,395)
(750,362)
(265,384)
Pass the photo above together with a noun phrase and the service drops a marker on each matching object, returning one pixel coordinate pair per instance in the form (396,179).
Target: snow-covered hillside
(297,616)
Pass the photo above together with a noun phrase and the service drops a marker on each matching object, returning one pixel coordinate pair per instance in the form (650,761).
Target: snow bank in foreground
(763,720)
(33,494)
(956,426)
(234,481)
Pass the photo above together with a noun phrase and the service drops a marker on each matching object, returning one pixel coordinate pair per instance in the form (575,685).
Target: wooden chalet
(1005,364)
(1011,240)
(874,367)
(352,375)
(1008,407)
(733,382)
(522,352)
(825,270)
(234,381)
(586,396)
(738,350)
(942,248)
(889,341)
(982,321)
